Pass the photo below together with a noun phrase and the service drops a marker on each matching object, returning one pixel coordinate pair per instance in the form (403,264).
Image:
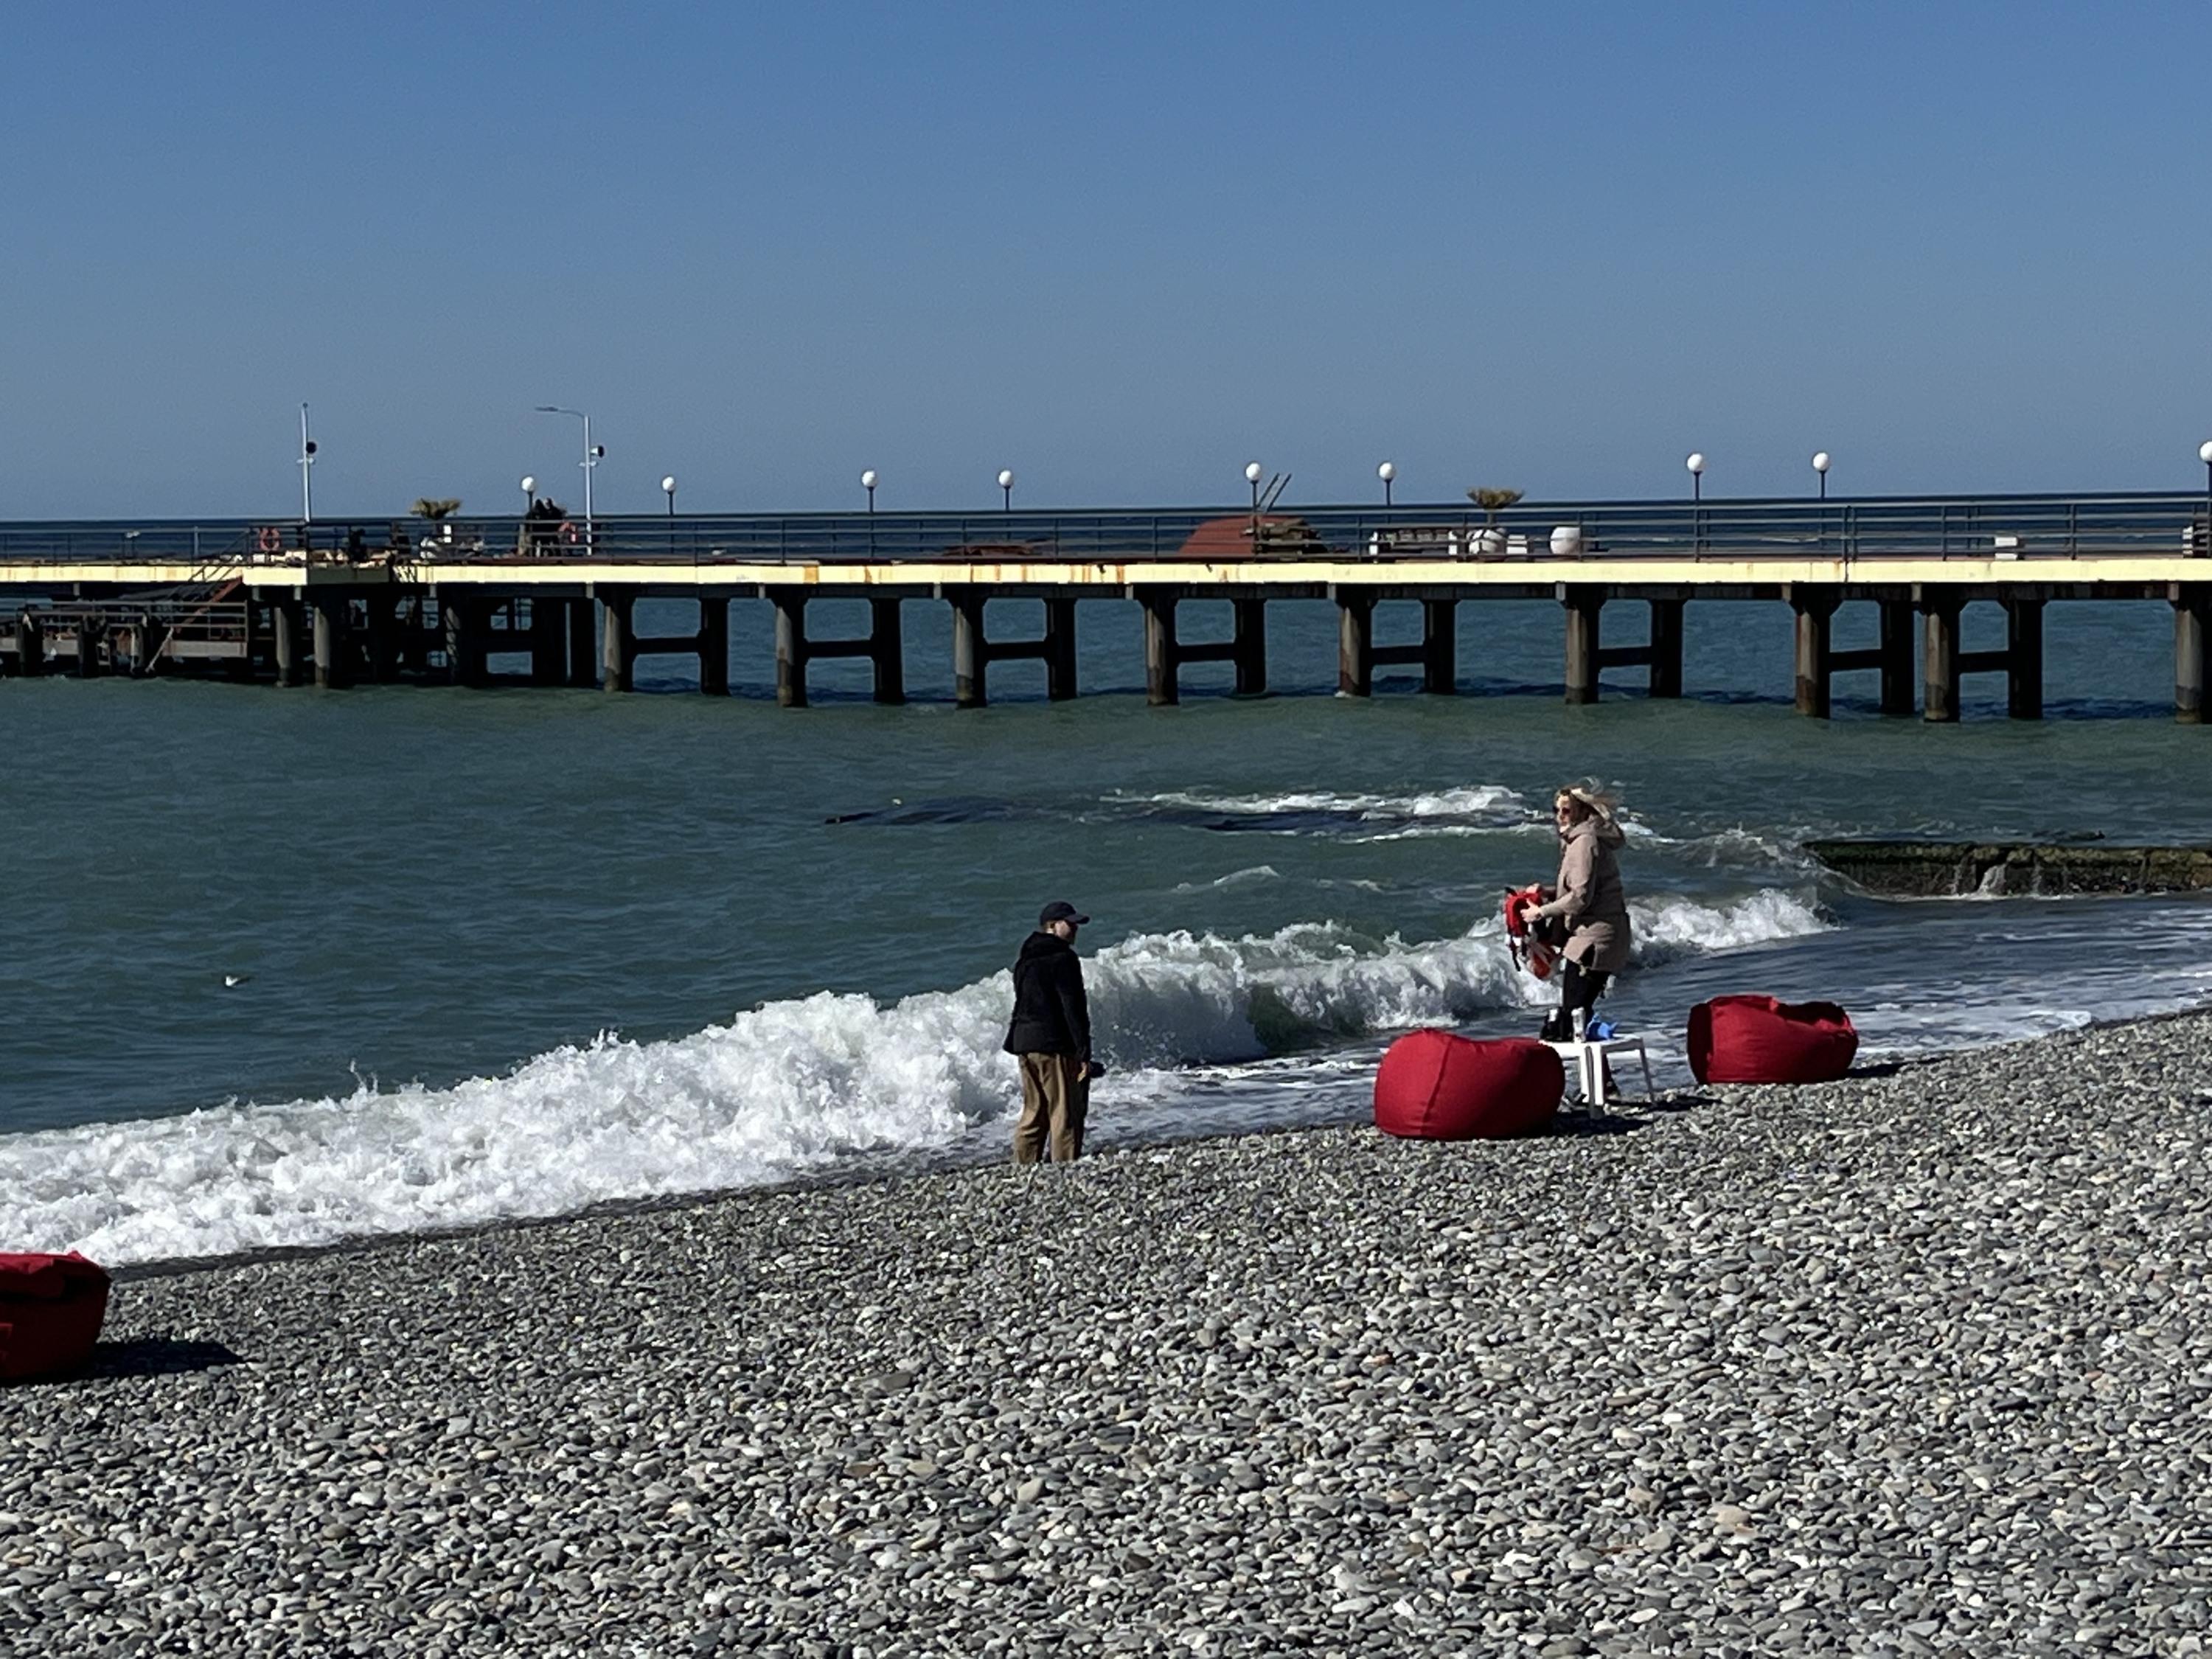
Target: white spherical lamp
(1820,461)
(1696,463)
(668,484)
(868,479)
(1385,472)
(1253,471)
(1006,479)
(2204,453)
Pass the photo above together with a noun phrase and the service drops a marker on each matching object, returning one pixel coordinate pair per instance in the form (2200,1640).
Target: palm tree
(437,506)
(1492,541)
(1493,502)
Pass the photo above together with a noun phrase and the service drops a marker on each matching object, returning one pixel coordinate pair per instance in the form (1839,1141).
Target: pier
(354,601)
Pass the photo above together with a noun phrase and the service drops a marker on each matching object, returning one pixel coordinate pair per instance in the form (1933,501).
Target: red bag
(1535,947)
(1434,1085)
(50,1310)
(1749,1039)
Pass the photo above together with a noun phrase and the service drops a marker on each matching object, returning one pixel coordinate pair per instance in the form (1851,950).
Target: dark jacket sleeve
(1074,1003)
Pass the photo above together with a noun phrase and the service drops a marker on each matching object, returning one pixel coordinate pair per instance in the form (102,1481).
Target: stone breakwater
(1914,1362)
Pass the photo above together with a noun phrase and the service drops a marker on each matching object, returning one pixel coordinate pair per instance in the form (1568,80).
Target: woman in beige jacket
(1588,904)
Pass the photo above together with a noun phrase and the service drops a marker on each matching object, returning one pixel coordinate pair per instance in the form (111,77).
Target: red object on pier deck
(1750,1039)
(1227,539)
(50,1310)
(1435,1085)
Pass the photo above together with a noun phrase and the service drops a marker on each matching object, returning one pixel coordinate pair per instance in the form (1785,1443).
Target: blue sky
(1120,248)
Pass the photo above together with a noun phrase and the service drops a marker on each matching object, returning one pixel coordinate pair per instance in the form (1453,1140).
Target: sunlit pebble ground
(1916,1362)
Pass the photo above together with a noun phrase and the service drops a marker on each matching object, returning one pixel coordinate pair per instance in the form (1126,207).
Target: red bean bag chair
(1759,1040)
(51,1307)
(1433,1086)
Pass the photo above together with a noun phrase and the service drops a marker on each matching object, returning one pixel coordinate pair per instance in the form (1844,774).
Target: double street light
(593,454)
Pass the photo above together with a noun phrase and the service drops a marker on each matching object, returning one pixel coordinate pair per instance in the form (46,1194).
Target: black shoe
(1556,1027)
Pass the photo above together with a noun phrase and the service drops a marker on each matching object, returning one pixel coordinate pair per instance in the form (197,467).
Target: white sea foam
(1502,807)
(1258,873)
(781,1090)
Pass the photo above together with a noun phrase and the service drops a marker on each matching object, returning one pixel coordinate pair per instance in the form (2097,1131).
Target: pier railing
(1917,527)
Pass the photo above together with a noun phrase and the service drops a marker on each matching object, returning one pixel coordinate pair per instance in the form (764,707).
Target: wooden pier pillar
(1355,645)
(2024,659)
(1440,646)
(2190,603)
(89,634)
(1060,650)
(549,640)
(383,610)
(970,663)
(1248,638)
(790,649)
(1162,680)
(583,633)
(1939,691)
(1896,649)
(146,645)
(288,637)
(1816,613)
(1583,632)
(329,608)
(618,643)
(715,644)
(467,626)
(887,649)
(1666,648)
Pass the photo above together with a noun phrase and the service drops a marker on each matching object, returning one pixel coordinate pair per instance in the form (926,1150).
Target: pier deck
(347,602)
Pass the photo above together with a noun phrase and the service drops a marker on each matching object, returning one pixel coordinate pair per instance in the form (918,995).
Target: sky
(1121,249)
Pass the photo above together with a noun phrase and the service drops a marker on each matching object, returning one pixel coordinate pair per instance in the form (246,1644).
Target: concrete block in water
(1927,869)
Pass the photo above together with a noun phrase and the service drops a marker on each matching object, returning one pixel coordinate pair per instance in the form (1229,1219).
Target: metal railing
(1920,527)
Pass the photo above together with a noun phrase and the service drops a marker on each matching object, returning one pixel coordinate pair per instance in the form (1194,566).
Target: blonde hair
(1590,797)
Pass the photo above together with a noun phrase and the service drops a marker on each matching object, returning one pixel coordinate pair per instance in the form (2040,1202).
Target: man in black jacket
(1050,1036)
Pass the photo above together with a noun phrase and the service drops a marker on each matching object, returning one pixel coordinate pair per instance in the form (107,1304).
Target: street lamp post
(1006,489)
(668,489)
(868,483)
(1696,463)
(593,454)
(306,460)
(529,492)
(1253,472)
(1820,466)
(1388,472)
(2204,454)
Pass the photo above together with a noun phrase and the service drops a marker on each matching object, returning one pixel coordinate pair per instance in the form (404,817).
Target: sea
(288,968)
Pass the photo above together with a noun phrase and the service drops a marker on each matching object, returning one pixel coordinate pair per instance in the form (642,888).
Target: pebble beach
(1920,1362)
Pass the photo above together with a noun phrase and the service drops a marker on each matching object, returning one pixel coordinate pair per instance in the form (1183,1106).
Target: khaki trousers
(1054,1102)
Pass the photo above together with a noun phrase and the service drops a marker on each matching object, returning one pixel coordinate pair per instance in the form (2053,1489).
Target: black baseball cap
(1061,910)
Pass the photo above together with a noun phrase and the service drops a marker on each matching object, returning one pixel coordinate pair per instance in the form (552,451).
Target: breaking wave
(787,1088)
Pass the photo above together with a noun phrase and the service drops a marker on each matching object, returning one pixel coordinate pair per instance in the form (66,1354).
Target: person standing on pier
(1589,902)
(1050,1037)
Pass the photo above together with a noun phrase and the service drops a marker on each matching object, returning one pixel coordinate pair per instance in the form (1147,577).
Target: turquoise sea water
(516,951)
